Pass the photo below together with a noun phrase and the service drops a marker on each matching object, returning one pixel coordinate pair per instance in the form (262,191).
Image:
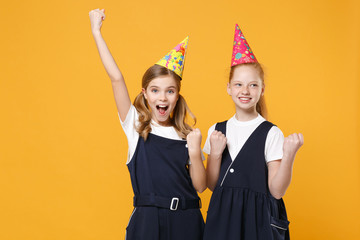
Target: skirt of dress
(242,214)
(152,223)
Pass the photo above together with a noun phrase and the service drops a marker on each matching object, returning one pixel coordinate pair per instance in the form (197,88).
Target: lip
(244,99)
(164,107)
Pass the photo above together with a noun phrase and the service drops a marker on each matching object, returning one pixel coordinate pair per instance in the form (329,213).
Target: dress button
(186,145)
(232,170)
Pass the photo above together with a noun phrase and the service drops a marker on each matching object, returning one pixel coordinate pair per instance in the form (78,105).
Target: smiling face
(245,88)
(162,94)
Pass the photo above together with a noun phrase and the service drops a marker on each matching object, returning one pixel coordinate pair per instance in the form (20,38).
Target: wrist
(96,32)
(194,152)
(288,156)
(215,154)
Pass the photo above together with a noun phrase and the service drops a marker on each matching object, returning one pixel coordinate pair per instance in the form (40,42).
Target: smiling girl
(249,163)
(164,157)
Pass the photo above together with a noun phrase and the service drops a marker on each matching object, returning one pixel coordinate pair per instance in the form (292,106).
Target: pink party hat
(175,59)
(242,52)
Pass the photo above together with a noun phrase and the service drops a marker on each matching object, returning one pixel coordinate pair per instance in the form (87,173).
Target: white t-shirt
(132,120)
(238,132)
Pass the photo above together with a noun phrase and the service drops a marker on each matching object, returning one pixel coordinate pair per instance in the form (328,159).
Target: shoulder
(275,138)
(272,128)
(129,125)
(211,129)
(274,144)
(218,125)
(275,132)
(131,116)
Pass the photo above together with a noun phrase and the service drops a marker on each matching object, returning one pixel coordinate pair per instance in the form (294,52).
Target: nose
(162,96)
(245,90)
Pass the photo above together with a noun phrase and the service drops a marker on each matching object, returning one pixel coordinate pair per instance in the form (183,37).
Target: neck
(166,123)
(246,115)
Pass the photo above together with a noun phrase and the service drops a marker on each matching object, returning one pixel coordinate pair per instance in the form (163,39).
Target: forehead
(163,82)
(245,74)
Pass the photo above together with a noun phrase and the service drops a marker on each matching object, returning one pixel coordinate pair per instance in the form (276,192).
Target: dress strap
(221,126)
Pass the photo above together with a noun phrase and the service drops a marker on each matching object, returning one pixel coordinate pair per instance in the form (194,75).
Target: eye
(238,84)
(154,90)
(253,85)
(171,91)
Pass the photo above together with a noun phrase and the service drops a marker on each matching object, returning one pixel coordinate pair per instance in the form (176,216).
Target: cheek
(234,92)
(149,99)
(174,100)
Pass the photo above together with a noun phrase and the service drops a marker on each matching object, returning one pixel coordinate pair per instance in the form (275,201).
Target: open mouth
(162,109)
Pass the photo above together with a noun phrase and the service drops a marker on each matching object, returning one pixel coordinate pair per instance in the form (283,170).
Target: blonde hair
(260,106)
(179,115)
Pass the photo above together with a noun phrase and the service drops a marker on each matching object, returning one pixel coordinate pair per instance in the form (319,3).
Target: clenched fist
(292,144)
(96,18)
(217,143)
(194,140)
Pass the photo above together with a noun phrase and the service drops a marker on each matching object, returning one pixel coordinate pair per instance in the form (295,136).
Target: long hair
(178,118)
(260,106)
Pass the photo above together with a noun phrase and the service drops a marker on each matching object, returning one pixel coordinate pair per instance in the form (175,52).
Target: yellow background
(62,149)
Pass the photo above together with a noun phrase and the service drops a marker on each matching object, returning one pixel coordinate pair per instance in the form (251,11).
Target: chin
(162,120)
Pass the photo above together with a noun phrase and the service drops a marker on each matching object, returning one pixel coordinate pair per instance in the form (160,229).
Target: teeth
(243,98)
(162,106)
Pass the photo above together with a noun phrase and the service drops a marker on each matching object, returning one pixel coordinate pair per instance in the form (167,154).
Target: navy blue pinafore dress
(166,205)
(241,206)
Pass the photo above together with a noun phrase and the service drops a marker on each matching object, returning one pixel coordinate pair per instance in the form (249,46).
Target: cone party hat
(242,52)
(175,59)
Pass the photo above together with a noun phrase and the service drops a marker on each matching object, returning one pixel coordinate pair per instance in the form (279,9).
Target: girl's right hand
(217,143)
(96,18)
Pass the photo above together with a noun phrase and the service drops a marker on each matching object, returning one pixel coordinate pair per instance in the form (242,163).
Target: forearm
(108,61)
(281,180)
(212,171)
(197,172)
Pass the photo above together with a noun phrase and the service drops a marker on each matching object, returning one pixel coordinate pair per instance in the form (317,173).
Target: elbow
(277,195)
(211,187)
(115,78)
(277,190)
(201,188)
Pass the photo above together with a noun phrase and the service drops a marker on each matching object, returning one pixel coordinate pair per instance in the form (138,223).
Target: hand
(194,141)
(96,18)
(292,144)
(217,143)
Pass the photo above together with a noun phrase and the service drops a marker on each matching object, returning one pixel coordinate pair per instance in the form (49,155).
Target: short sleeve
(128,126)
(207,147)
(274,144)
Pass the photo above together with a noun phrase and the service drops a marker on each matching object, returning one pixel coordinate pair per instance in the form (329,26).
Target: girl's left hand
(292,144)
(194,140)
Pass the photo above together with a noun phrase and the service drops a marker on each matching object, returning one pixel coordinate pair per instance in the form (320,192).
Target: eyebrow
(154,86)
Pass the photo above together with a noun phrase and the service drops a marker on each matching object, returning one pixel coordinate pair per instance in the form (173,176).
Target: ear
(144,93)
(228,89)
(263,90)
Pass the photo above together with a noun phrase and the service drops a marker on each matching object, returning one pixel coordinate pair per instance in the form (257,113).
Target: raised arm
(280,171)
(120,91)
(217,145)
